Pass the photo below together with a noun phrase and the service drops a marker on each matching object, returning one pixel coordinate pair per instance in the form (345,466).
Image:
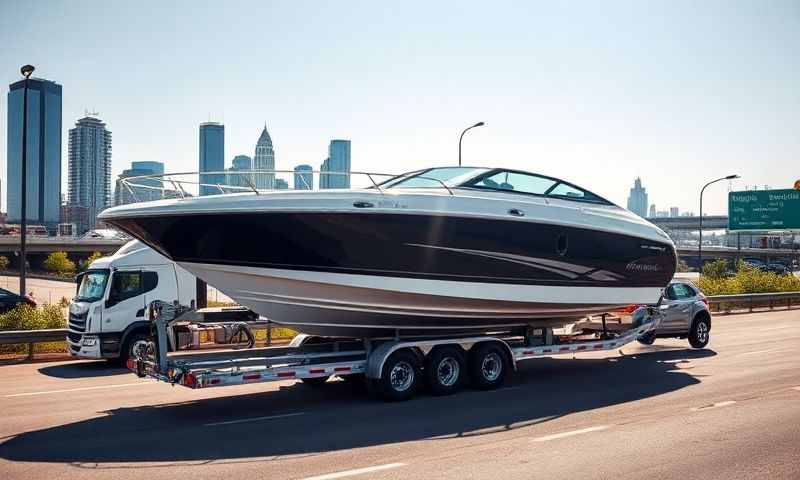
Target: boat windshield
(93,286)
(532,184)
(435,177)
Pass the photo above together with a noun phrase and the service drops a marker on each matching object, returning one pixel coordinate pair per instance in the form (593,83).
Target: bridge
(710,222)
(45,245)
(689,254)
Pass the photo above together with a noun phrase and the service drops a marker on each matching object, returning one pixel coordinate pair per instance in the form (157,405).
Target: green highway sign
(764,210)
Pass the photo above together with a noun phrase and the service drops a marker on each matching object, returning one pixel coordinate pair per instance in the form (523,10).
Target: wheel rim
(492,366)
(401,377)
(448,371)
(137,346)
(702,332)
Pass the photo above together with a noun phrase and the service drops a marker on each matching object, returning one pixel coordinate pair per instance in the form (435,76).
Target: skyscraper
(140,189)
(338,161)
(637,200)
(264,160)
(212,156)
(240,163)
(674,212)
(281,184)
(303,177)
(43,152)
(89,170)
(652,211)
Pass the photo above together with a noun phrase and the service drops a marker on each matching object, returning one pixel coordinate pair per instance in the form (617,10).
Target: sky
(596,93)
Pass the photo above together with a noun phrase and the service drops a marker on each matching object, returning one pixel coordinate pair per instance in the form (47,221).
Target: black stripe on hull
(410,245)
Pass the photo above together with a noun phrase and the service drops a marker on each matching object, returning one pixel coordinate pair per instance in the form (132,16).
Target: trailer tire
(487,366)
(700,333)
(315,381)
(399,377)
(647,339)
(445,368)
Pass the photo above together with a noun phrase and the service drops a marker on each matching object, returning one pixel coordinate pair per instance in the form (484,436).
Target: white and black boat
(453,248)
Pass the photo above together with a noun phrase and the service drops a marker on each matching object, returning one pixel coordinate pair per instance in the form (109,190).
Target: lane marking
(714,405)
(761,351)
(571,433)
(254,419)
(796,388)
(79,389)
(357,471)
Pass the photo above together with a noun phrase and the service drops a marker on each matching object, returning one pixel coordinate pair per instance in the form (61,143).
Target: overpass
(45,245)
(710,222)
(689,254)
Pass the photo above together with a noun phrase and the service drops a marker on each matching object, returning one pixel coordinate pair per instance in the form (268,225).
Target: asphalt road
(728,412)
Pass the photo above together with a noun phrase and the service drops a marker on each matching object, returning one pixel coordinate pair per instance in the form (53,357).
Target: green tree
(682,266)
(716,269)
(86,263)
(4,262)
(59,263)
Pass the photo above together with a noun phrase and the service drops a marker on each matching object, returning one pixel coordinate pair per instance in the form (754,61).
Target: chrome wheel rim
(702,332)
(492,366)
(401,377)
(448,371)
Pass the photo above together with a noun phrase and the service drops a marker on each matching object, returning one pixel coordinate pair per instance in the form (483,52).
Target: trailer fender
(377,358)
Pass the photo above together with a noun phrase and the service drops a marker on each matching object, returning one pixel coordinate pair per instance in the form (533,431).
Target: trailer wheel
(444,369)
(699,334)
(399,376)
(647,339)
(315,381)
(487,366)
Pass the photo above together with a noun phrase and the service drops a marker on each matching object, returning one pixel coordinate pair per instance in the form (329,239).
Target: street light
(700,243)
(479,124)
(26,71)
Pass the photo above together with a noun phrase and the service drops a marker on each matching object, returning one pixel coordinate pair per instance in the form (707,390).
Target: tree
(94,256)
(59,263)
(716,269)
(4,262)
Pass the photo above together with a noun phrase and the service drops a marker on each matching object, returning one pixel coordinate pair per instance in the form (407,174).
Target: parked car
(779,268)
(9,300)
(686,315)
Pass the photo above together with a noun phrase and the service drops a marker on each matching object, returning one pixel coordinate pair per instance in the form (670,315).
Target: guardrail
(752,300)
(31,337)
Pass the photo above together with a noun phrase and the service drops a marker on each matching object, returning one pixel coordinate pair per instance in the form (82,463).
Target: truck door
(125,303)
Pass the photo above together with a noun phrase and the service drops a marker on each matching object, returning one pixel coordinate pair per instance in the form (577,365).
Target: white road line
(79,389)
(796,388)
(761,351)
(357,471)
(715,405)
(254,419)
(571,433)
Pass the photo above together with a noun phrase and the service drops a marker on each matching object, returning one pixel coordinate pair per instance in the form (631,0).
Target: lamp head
(479,124)
(27,70)
(732,177)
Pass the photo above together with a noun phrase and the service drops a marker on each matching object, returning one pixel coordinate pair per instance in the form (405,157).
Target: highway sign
(764,210)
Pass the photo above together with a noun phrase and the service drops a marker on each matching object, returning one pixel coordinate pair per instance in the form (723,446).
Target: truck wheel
(315,381)
(699,335)
(399,377)
(487,366)
(444,370)
(132,343)
(647,339)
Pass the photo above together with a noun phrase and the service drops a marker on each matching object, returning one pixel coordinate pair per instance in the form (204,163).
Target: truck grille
(78,322)
(74,337)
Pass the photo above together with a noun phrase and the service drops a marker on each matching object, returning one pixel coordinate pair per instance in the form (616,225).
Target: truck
(393,368)
(107,315)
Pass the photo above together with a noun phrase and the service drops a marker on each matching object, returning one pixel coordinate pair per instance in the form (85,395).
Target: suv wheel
(699,334)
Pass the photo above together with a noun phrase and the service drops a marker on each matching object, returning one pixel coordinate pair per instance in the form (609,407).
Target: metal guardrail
(31,337)
(752,300)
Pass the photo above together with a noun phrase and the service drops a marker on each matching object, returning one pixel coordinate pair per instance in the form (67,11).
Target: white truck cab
(107,315)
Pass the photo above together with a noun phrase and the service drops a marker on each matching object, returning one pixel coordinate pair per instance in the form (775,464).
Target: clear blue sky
(676,92)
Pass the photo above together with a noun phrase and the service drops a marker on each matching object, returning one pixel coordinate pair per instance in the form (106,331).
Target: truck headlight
(89,341)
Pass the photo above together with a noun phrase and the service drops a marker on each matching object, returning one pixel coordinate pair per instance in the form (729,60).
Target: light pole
(479,124)
(700,243)
(26,72)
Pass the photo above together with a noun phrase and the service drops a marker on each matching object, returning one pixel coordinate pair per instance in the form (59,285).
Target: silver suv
(686,315)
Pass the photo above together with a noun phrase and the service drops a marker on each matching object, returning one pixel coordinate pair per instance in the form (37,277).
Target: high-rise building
(637,200)
(43,155)
(281,184)
(264,160)
(337,164)
(674,212)
(212,157)
(652,211)
(241,163)
(304,177)
(89,182)
(140,189)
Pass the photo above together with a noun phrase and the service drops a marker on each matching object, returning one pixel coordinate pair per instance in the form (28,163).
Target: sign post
(764,210)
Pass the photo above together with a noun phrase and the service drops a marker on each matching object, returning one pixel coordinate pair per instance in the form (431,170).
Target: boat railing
(183,185)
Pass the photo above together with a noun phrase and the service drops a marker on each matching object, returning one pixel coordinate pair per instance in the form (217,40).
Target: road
(731,411)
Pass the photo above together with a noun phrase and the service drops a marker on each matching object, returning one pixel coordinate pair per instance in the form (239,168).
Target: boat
(436,250)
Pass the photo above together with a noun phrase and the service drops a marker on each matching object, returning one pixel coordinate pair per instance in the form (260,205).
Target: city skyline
(564,91)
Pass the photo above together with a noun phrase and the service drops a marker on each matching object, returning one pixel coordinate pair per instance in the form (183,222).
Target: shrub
(64,302)
(25,317)
(4,262)
(716,269)
(94,256)
(748,279)
(59,263)
(682,267)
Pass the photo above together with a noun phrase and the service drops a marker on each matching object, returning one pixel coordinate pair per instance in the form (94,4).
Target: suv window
(125,285)
(680,291)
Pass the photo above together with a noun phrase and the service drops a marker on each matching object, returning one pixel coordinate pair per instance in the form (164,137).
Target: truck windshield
(93,286)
